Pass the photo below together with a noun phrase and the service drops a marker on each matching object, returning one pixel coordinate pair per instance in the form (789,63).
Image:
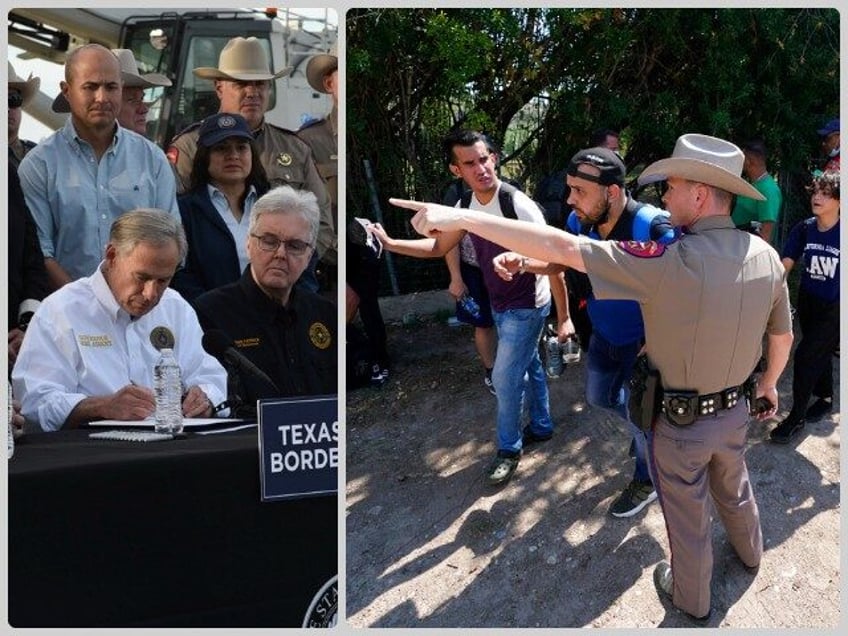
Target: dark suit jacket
(27,275)
(296,345)
(212,259)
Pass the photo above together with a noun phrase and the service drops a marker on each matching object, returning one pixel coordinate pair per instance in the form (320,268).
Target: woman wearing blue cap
(226,179)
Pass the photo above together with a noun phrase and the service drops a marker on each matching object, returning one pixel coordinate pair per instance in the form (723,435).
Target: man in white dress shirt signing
(92,345)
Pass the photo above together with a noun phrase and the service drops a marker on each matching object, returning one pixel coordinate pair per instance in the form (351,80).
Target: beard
(589,221)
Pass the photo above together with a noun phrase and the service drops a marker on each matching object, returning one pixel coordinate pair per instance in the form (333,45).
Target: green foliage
(540,80)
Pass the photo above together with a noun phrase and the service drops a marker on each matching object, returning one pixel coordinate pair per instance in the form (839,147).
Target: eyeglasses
(270,243)
(16,100)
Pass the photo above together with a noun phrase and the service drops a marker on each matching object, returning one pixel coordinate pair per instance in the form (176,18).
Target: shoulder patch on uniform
(642,249)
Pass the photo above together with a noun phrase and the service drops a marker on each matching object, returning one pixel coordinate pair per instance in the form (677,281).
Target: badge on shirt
(284,159)
(319,335)
(642,249)
(94,341)
(162,338)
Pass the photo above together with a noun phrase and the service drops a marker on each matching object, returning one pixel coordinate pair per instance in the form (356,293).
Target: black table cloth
(108,533)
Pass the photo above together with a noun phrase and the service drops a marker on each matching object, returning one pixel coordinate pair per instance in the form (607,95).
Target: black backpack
(505,195)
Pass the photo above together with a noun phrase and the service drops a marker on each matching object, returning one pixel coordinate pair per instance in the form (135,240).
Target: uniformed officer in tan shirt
(242,83)
(706,300)
(322,135)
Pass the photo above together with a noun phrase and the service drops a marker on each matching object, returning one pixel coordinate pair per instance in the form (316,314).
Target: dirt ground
(431,544)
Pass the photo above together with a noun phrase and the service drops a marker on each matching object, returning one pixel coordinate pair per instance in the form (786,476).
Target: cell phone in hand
(762,405)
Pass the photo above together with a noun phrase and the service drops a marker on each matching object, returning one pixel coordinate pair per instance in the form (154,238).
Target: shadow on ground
(430,544)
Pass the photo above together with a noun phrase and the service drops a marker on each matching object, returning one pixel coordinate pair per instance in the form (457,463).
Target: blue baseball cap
(829,128)
(216,128)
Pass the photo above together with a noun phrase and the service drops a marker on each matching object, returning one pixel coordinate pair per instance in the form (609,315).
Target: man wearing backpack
(602,209)
(519,307)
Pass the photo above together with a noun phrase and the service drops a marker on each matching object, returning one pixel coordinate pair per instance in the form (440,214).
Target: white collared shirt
(80,344)
(237,228)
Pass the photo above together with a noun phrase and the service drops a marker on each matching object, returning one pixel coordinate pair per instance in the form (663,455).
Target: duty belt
(683,407)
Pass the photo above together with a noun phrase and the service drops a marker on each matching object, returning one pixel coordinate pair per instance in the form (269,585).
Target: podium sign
(298,447)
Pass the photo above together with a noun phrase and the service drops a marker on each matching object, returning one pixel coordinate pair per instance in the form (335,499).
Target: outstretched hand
(431,219)
(507,264)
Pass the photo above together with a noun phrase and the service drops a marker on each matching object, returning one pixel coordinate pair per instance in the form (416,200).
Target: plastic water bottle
(11,413)
(571,351)
(470,306)
(167,386)
(553,357)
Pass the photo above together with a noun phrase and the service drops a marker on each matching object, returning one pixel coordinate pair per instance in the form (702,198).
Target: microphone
(218,344)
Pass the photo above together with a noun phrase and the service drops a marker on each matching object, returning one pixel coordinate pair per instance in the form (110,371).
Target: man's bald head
(92,88)
(99,52)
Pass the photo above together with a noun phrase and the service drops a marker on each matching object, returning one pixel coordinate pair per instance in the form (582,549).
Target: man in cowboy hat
(322,135)
(133,114)
(21,92)
(322,73)
(243,85)
(706,301)
(90,171)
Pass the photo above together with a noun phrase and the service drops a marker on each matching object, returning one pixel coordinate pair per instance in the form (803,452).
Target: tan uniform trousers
(692,466)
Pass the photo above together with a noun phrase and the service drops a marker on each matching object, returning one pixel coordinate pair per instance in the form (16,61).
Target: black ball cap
(606,160)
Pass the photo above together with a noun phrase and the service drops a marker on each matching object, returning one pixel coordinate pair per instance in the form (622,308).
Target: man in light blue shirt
(89,172)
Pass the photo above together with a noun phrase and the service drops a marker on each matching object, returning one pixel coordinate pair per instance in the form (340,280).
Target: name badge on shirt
(94,341)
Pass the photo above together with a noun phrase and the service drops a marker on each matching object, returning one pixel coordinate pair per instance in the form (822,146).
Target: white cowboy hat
(28,87)
(703,159)
(130,77)
(242,59)
(318,66)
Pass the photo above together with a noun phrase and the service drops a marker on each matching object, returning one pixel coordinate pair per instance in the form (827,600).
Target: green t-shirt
(747,210)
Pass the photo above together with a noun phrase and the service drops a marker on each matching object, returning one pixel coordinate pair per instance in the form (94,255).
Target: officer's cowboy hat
(130,77)
(703,159)
(318,66)
(28,87)
(242,59)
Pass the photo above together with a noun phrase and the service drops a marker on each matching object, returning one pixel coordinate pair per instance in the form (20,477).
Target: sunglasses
(16,100)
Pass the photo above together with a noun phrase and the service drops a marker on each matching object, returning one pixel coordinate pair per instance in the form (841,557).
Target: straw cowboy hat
(703,159)
(28,87)
(130,77)
(242,59)
(318,66)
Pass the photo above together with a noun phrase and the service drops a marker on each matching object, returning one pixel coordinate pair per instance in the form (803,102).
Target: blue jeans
(518,375)
(608,371)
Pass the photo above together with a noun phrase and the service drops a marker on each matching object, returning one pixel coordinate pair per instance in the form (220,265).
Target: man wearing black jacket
(27,275)
(286,331)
